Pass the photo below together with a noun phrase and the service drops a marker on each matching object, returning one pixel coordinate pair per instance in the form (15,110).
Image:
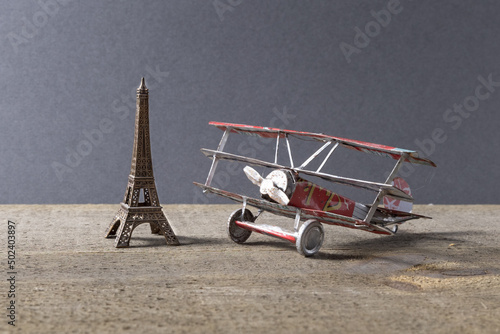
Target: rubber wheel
(310,240)
(236,233)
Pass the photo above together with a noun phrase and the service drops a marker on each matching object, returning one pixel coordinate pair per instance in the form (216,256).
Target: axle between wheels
(308,239)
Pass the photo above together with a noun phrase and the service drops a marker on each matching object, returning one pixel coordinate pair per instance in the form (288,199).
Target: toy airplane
(285,193)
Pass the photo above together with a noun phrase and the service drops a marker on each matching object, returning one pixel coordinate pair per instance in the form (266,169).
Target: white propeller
(253,175)
(269,185)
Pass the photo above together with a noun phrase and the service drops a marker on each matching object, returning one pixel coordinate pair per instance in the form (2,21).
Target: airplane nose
(269,188)
(265,186)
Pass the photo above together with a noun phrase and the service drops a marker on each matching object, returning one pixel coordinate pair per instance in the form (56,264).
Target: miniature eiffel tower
(141,183)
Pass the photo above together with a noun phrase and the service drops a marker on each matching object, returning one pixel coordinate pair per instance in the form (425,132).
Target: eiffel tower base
(128,218)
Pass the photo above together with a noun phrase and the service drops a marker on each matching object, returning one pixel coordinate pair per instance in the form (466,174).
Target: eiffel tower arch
(140,204)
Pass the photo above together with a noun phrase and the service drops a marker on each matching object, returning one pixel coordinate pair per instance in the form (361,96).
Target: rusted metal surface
(368,185)
(384,150)
(141,183)
(284,192)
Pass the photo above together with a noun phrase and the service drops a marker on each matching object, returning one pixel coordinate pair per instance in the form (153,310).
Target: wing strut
(383,192)
(215,160)
(277,148)
(297,220)
(327,156)
(289,151)
(315,154)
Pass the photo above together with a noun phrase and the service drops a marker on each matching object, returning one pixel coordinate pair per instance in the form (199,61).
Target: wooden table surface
(433,276)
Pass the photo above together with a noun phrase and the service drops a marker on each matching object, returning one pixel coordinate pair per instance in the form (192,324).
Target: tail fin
(396,204)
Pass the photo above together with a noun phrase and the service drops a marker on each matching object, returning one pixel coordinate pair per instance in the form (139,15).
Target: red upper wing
(362,146)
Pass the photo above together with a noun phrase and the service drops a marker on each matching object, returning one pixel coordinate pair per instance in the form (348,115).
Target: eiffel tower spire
(142,164)
(133,211)
(142,88)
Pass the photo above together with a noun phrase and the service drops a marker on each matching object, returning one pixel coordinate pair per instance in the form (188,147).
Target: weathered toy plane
(284,192)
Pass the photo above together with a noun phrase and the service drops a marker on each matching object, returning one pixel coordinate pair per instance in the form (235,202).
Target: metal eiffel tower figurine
(140,203)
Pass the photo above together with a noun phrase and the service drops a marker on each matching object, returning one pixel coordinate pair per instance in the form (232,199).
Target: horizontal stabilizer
(401,214)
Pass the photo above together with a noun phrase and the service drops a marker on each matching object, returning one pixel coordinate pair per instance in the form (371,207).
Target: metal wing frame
(382,189)
(294,213)
(267,132)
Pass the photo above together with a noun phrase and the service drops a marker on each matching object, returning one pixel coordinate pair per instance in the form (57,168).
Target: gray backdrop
(421,75)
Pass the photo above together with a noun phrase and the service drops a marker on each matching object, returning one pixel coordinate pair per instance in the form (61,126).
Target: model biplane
(286,192)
